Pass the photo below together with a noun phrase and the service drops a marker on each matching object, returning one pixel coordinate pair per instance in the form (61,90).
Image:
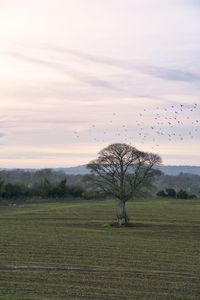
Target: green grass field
(69,251)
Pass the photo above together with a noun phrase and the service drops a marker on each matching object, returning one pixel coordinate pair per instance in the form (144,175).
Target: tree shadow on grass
(130,225)
(136,225)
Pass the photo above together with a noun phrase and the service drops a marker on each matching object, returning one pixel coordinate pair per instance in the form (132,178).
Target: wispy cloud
(165,73)
(79,74)
(96,58)
(171,74)
(62,68)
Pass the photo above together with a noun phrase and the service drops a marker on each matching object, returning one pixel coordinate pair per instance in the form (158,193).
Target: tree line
(120,171)
(22,185)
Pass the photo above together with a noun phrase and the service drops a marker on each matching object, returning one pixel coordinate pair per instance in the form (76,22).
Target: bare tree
(120,170)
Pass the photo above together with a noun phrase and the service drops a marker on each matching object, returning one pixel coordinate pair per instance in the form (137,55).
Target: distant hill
(79,170)
(169,170)
(176,170)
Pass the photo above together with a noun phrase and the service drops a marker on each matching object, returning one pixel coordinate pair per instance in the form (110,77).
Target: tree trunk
(123,220)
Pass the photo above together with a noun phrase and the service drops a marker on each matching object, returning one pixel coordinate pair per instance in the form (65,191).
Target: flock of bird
(175,123)
(172,124)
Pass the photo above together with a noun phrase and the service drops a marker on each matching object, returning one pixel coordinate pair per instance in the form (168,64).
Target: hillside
(168,170)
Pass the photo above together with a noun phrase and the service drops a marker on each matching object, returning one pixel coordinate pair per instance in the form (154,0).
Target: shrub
(76,191)
(43,189)
(182,194)
(171,193)
(161,194)
(14,190)
(60,189)
(1,186)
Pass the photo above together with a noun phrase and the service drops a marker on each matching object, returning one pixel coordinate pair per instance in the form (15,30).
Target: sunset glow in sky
(78,75)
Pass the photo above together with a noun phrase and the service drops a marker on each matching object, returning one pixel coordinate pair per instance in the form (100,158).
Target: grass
(69,251)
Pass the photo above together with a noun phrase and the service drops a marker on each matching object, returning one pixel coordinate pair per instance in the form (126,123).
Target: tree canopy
(121,169)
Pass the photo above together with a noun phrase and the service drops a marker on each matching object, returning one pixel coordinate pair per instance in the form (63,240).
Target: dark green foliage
(11,190)
(1,186)
(171,193)
(48,189)
(182,194)
(44,189)
(60,189)
(183,181)
(46,184)
(161,194)
(76,191)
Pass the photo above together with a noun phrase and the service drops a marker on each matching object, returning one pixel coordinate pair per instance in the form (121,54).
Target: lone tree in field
(121,170)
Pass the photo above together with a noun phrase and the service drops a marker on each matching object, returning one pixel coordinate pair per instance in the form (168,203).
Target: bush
(43,189)
(76,191)
(171,193)
(47,189)
(60,190)
(161,194)
(1,186)
(182,194)
(11,190)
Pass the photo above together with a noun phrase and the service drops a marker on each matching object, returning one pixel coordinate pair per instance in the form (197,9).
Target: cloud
(165,73)
(171,74)
(84,78)
(96,58)
(95,82)
(117,84)
(195,3)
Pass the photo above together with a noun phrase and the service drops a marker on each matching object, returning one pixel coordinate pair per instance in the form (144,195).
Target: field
(69,251)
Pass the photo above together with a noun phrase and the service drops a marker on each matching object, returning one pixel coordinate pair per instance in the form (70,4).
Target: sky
(76,76)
